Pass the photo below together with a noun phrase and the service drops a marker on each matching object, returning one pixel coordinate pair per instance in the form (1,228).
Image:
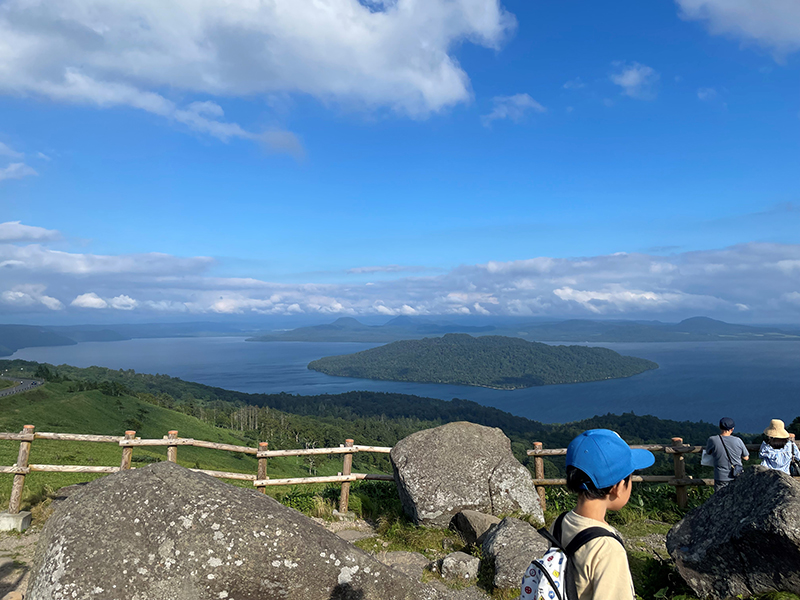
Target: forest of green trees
(489,361)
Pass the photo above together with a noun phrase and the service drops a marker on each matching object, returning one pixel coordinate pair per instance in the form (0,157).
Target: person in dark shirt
(728,453)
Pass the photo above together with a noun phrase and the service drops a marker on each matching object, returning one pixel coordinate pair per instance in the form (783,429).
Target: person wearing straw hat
(779,448)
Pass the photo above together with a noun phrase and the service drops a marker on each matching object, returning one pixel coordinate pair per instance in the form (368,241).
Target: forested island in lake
(497,362)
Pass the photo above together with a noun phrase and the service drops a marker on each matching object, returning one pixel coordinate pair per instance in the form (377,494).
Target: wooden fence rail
(260,480)
(679,480)
(129,441)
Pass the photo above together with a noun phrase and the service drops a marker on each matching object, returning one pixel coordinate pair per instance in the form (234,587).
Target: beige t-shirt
(601,565)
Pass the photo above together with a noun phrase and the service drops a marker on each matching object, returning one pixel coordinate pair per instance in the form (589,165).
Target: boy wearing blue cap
(599,468)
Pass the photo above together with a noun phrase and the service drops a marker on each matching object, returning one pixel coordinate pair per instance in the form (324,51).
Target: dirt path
(16,559)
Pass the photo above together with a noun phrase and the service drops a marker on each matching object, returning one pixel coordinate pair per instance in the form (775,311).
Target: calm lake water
(752,382)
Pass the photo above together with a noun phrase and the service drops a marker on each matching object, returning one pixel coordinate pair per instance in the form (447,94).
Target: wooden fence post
(347,465)
(538,462)
(172,451)
(681,491)
(262,466)
(19,478)
(127,452)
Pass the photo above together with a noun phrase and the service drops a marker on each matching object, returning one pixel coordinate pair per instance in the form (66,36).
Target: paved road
(22,385)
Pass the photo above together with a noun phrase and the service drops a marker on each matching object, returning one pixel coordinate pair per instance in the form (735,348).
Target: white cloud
(706,93)
(636,80)
(123,302)
(38,259)
(761,280)
(43,156)
(774,24)
(5,150)
(574,84)
(512,107)
(16,171)
(28,295)
(89,300)
(395,54)
(14,231)
(385,269)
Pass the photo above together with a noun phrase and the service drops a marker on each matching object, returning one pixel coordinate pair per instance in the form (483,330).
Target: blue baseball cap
(726,423)
(605,457)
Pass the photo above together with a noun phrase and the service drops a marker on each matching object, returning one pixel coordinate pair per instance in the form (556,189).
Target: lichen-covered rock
(163,532)
(459,565)
(744,541)
(473,525)
(512,545)
(442,471)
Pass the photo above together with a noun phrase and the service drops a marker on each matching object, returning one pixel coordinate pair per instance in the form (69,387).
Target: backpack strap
(587,535)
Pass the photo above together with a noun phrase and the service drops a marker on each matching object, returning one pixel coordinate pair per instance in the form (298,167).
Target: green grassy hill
(54,408)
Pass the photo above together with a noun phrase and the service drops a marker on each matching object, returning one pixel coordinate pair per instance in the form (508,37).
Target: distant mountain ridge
(695,329)
(348,329)
(16,337)
(498,362)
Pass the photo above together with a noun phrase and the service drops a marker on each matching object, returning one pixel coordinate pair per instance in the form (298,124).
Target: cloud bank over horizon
(754,281)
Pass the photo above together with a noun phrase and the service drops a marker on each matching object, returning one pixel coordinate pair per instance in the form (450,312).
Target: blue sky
(461,157)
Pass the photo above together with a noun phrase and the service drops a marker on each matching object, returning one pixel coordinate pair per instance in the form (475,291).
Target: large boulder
(744,541)
(512,545)
(473,525)
(163,532)
(442,471)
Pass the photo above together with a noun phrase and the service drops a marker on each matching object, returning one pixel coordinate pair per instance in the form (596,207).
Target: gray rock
(473,525)
(163,532)
(744,540)
(459,565)
(409,563)
(353,535)
(442,471)
(512,545)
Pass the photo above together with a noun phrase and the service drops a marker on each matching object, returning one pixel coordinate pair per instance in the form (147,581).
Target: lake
(752,382)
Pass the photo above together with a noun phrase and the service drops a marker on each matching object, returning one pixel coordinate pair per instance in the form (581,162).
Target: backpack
(550,577)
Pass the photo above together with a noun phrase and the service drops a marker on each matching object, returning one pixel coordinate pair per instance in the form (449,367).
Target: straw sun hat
(776,429)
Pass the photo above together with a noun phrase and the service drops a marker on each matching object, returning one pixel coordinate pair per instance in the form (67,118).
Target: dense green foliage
(489,361)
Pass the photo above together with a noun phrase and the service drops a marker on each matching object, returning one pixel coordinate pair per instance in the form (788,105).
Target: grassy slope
(5,383)
(53,408)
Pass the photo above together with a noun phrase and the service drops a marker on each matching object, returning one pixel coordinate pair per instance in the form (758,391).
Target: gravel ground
(16,558)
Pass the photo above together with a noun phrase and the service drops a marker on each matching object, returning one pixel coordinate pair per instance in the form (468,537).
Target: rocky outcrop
(744,540)
(442,471)
(163,532)
(473,525)
(512,545)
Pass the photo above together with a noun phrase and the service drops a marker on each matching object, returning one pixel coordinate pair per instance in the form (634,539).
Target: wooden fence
(678,479)
(260,480)
(129,441)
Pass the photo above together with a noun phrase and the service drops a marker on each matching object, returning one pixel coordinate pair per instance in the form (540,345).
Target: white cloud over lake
(759,280)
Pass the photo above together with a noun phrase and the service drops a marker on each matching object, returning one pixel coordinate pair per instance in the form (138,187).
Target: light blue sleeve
(766,451)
